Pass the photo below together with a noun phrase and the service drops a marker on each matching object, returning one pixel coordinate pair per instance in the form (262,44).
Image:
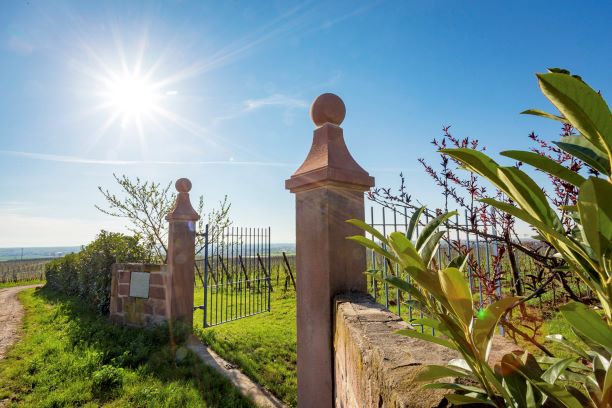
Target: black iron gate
(236,273)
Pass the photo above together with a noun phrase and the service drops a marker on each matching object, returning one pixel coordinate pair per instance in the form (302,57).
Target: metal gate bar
(236,273)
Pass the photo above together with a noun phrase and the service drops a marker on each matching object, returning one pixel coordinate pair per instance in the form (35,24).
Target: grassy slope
(264,345)
(21,283)
(70,356)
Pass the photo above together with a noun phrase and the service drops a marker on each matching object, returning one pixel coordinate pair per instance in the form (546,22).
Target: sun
(131,97)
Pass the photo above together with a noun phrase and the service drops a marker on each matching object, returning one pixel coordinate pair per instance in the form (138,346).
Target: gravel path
(11,313)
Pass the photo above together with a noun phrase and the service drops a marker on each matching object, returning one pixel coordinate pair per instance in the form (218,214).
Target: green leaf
(368,243)
(581,148)
(553,360)
(414,222)
(427,337)
(429,229)
(595,208)
(458,387)
(529,196)
(548,232)
(537,112)
(570,346)
(607,386)
(415,304)
(554,371)
(584,108)
(428,251)
(547,165)
(433,323)
(529,369)
(405,250)
(368,228)
(435,372)
(483,326)
(588,323)
(477,162)
(459,262)
(458,294)
(458,399)
(406,287)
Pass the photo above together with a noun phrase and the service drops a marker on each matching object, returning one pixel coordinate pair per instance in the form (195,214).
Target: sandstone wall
(137,311)
(375,367)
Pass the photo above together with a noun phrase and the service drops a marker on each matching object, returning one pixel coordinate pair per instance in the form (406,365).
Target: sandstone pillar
(181,255)
(329,189)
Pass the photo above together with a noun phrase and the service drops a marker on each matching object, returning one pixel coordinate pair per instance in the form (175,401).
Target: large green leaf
(529,196)
(595,208)
(485,322)
(546,230)
(368,228)
(458,294)
(556,370)
(607,386)
(414,222)
(545,164)
(477,162)
(405,250)
(512,181)
(537,112)
(459,399)
(453,386)
(588,323)
(581,148)
(427,337)
(459,262)
(435,372)
(428,251)
(431,227)
(368,243)
(433,323)
(568,345)
(406,287)
(584,108)
(558,394)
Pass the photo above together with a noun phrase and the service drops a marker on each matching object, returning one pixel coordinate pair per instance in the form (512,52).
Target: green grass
(263,346)
(71,356)
(21,283)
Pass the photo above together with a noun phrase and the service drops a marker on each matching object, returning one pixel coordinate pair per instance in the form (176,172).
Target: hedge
(87,274)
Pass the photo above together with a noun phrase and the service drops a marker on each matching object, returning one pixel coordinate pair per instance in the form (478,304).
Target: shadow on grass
(155,353)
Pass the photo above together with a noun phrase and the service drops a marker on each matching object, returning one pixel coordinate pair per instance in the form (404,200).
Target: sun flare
(131,97)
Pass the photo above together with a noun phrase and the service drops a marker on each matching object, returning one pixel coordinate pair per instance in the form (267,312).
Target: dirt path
(11,313)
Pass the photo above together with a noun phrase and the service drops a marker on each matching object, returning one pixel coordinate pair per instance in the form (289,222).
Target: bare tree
(146,203)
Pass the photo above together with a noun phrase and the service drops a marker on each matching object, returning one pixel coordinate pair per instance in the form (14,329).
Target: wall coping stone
(389,362)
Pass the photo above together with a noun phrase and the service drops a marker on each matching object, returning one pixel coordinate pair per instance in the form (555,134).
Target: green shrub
(88,274)
(107,382)
(521,380)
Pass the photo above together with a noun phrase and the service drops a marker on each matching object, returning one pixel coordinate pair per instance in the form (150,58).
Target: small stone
(181,354)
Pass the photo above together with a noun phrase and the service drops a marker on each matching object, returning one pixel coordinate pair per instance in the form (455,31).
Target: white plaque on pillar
(139,285)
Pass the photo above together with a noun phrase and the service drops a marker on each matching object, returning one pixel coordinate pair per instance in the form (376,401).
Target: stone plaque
(139,285)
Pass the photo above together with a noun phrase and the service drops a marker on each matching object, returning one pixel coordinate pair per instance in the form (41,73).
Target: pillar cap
(182,210)
(327,108)
(329,161)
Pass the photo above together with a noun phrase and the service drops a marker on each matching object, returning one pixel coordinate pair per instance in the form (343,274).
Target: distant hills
(9,254)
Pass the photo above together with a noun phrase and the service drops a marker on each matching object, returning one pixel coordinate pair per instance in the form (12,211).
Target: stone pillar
(181,255)
(329,189)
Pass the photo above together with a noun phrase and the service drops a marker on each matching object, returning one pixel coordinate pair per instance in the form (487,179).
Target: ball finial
(327,108)
(183,185)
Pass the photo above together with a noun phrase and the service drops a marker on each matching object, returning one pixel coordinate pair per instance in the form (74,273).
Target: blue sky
(233,82)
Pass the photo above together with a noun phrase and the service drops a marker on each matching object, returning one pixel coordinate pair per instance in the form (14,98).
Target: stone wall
(374,367)
(143,309)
